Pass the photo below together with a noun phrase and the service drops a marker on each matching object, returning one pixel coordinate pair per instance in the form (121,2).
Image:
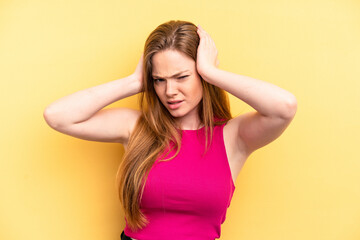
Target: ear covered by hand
(206,52)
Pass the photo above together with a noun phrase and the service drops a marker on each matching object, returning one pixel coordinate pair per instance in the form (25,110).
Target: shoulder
(231,137)
(131,118)
(134,116)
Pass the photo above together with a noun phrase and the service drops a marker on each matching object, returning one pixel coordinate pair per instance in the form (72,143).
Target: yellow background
(304,185)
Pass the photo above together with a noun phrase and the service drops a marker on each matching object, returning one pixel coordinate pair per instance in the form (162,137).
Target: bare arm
(81,114)
(275,107)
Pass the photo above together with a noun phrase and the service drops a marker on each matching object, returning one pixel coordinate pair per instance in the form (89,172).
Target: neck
(190,124)
(190,121)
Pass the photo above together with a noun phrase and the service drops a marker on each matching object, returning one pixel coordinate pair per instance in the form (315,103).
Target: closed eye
(184,76)
(161,80)
(158,80)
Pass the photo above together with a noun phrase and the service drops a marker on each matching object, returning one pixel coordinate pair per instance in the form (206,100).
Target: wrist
(207,73)
(135,83)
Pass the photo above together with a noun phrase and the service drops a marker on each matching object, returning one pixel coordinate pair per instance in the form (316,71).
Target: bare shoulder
(132,116)
(253,130)
(234,144)
(235,148)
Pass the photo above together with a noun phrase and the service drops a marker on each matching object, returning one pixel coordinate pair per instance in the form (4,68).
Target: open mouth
(174,102)
(174,105)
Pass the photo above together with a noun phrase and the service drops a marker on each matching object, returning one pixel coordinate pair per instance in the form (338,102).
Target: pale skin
(81,115)
(243,134)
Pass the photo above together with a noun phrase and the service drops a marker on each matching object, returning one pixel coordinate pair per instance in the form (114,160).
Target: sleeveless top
(188,196)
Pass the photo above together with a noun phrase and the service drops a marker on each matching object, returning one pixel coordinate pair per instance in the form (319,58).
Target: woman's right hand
(138,74)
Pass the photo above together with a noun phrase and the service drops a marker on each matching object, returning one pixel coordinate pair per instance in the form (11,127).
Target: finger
(200,29)
(206,37)
(213,43)
(201,33)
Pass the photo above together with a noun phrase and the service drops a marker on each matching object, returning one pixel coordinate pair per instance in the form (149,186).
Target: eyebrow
(175,75)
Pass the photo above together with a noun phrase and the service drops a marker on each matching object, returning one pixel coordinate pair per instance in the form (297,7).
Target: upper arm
(107,125)
(255,130)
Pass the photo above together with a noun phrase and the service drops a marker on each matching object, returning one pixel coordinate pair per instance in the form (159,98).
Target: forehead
(168,62)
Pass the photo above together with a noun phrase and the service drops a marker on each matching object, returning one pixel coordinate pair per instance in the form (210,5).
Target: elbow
(47,118)
(50,119)
(287,108)
(290,107)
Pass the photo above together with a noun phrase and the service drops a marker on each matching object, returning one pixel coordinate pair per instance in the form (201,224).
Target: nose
(171,88)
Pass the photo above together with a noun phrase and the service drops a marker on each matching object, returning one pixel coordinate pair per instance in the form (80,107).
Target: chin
(176,113)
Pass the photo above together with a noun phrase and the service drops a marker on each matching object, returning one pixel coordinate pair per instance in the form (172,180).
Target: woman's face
(177,83)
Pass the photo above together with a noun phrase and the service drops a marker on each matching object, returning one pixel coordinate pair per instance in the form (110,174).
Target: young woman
(183,149)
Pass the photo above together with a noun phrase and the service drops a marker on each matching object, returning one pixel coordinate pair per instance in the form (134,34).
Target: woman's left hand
(206,52)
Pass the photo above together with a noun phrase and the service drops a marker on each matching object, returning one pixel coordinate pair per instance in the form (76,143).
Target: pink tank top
(188,196)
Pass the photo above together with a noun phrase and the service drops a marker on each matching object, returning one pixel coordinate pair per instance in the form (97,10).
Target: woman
(183,133)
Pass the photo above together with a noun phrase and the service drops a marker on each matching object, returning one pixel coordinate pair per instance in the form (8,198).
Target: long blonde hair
(156,128)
